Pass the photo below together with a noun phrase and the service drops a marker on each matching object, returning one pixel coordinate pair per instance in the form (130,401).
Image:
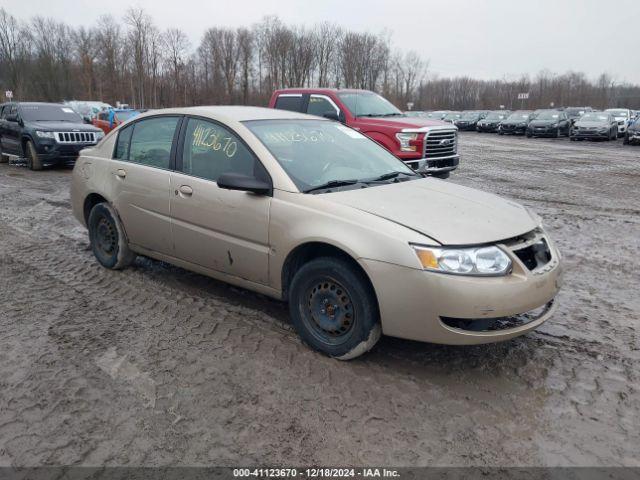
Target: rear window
(291,103)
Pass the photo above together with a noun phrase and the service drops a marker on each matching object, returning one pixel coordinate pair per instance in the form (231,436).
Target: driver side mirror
(243,183)
(332,116)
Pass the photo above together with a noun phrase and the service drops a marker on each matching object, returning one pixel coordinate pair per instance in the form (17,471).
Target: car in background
(491,122)
(549,123)
(416,113)
(470,119)
(308,211)
(110,119)
(632,135)
(426,145)
(451,117)
(595,126)
(622,116)
(437,114)
(44,133)
(574,113)
(516,123)
(87,109)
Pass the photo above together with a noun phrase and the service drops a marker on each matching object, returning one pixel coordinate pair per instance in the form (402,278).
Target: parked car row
(577,123)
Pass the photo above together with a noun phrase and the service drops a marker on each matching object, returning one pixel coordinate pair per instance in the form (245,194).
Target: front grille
(532,249)
(440,143)
(75,137)
(499,323)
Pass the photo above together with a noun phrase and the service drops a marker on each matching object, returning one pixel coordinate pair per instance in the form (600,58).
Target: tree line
(130,60)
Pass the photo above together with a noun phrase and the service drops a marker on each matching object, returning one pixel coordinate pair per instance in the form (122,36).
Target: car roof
(233,113)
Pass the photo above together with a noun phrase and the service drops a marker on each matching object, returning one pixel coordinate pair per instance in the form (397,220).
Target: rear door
(220,229)
(141,182)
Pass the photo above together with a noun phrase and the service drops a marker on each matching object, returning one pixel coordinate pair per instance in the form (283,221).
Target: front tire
(108,240)
(334,309)
(33,162)
(625,140)
(3,159)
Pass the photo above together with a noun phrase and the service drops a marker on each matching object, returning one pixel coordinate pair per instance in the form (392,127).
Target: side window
(211,150)
(103,116)
(292,103)
(319,106)
(151,141)
(3,112)
(122,145)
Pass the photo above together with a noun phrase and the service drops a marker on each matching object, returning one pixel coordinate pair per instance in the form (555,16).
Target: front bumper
(634,137)
(435,165)
(487,127)
(511,130)
(446,309)
(542,131)
(589,134)
(53,153)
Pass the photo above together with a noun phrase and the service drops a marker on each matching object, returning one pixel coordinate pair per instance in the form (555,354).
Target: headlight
(99,135)
(553,125)
(42,134)
(482,261)
(405,140)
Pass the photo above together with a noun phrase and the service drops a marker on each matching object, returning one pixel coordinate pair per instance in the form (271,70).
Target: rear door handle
(120,173)
(185,190)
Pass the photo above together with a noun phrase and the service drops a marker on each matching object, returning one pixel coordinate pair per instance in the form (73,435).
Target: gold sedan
(309,211)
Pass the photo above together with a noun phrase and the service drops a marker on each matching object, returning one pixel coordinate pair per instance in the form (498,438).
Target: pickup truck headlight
(42,134)
(405,140)
(478,261)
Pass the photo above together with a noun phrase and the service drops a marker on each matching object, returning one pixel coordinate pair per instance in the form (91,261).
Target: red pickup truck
(428,146)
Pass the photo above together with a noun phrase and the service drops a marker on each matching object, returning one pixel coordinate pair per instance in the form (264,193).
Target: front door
(220,229)
(141,180)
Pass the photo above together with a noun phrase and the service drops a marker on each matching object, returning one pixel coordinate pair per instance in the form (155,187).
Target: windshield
(493,116)
(470,116)
(575,111)
(124,116)
(618,113)
(49,113)
(452,116)
(595,117)
(548,116)
(314,152)
(518,117)
(368,104)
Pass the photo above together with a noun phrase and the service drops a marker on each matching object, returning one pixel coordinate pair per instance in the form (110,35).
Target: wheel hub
(106,236)
(330,308)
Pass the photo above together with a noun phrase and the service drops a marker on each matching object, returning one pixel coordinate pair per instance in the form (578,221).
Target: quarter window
(292,103)
(319,106)
(151,141)
(211,150)
(122,145)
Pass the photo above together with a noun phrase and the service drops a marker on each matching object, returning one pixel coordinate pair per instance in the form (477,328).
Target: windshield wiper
(371,115)
(330,184)
(389,176)
(393,115)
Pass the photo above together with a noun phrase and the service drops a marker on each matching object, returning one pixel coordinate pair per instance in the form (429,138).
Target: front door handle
(185,190)
(120,173)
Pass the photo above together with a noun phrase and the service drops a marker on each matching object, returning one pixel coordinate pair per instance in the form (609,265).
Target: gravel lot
(158,366)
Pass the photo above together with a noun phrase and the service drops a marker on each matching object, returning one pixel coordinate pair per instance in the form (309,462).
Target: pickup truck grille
(75,137)
(440,143)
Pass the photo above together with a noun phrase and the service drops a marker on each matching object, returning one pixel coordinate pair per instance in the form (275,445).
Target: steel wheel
(330,313)
(106,236)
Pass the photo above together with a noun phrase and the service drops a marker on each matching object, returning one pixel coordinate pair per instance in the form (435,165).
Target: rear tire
(334,309)
(108,240)
(33,162)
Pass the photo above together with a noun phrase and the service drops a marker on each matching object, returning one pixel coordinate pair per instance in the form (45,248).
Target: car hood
(400,122)
(542,123)
(64,127)
(587,123)
(448,213)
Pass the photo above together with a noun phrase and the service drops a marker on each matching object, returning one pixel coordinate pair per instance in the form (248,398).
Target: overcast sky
(480,38)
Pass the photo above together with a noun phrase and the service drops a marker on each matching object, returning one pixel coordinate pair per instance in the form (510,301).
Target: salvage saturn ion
(309,211)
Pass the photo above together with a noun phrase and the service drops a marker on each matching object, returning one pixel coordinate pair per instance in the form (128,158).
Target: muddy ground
(158,366)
